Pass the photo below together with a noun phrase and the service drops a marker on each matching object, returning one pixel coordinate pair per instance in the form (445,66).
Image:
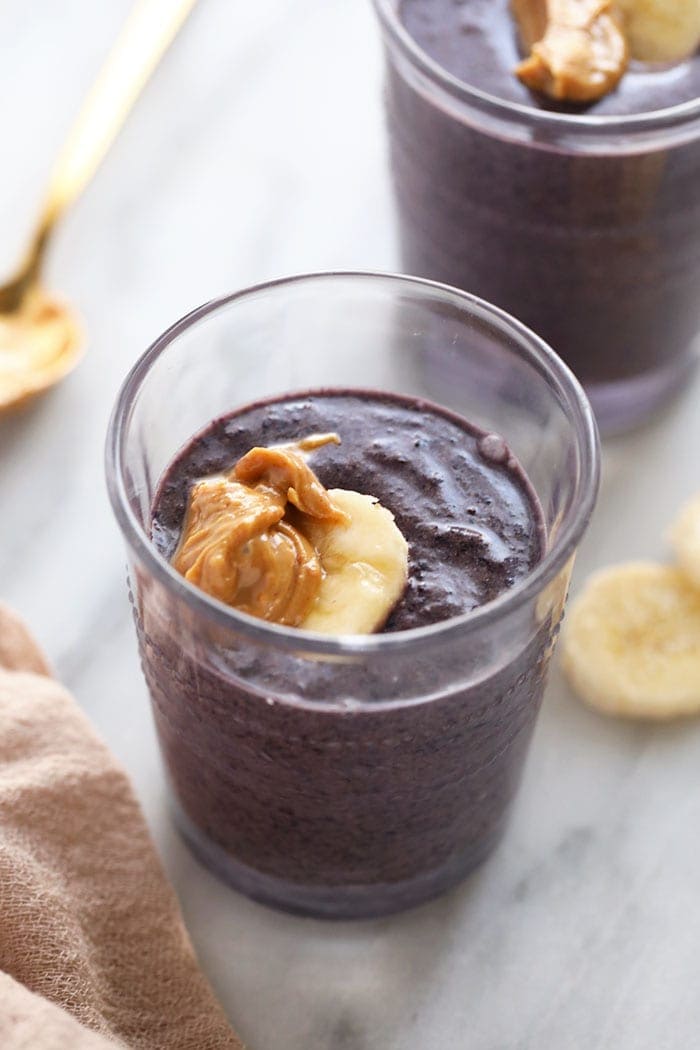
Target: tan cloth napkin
(93,950)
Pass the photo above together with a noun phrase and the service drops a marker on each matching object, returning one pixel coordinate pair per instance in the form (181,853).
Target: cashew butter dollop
(268,539)
(578,50)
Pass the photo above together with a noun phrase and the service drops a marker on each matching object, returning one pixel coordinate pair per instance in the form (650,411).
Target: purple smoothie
(285,784)
(472,521)
(597,250)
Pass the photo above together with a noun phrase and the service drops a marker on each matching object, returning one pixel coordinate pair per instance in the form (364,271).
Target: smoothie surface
(476,41)
(471,517)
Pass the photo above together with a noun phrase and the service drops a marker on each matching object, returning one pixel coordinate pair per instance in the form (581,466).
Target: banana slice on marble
(684,537)
(365,566)
(631,646)
(661,30)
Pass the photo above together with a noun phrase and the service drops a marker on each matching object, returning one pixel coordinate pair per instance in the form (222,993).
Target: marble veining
(258,149)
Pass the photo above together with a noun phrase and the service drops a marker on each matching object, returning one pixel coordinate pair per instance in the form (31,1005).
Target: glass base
(327,902)
(628,403)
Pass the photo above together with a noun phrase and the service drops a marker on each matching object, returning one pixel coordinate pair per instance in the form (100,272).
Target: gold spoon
(40,337)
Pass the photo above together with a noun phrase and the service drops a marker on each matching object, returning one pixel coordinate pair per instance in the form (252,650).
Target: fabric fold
(91,932)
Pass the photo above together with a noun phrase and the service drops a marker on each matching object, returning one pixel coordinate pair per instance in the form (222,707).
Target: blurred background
(258,150)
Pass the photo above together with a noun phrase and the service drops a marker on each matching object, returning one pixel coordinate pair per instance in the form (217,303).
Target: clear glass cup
(586,228)
(357,775)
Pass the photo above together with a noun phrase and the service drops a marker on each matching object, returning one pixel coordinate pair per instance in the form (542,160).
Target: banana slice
(365,564)
(661,30)
(632,643)
(684,537)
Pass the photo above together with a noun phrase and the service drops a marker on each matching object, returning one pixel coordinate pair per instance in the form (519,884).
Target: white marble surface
(257,150)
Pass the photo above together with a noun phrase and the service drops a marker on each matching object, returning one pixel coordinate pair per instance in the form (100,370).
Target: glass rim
(527,345)
(671,123)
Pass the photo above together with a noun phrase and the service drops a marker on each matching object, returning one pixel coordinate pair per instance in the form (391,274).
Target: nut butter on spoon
(40,337)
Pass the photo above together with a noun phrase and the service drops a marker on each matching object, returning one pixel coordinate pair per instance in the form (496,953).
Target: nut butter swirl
(578,50)
(242,540)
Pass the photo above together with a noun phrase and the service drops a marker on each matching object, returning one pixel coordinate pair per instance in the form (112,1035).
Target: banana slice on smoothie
(661,30)
(267,538)
(365,566)
(632,643)
(684,537)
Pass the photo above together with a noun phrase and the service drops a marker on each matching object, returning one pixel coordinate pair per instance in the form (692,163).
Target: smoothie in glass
(355,774)
(582,221)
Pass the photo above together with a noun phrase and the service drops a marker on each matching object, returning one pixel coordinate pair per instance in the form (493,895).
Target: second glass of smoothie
(583,223)
(356,774)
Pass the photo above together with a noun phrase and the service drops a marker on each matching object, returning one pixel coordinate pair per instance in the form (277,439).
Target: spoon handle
(144,38)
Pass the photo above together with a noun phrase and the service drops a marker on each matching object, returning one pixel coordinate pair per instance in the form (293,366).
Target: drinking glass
(357,775)
(586,228)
